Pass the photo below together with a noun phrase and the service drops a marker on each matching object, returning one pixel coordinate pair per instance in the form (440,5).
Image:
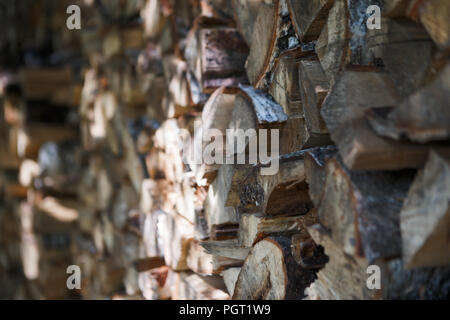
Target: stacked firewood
(231,149)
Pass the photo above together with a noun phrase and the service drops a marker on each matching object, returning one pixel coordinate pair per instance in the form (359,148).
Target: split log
(254,227)
(342,40)
(306,252)
(285,85)
(254,110)
(216,115)
(179,99)
(433,15)
(226,248)
(422,117)
(362,209)
(202,262)
(315,161)
(309,17)
(188,286)
(176,233)
(425,216)
(314,88)
(284,192)
(350,270)
(216,55)
(245,14)
(230,277)
(343,112)
(271,273)
(403,49)
(216,213)
(273,33)
(152,237)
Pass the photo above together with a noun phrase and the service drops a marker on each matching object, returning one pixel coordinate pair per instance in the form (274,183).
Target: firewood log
(190,286)
(421,117)
(362,208)
(216,54)
(226,248)
(403,49)
(216,212)
(353,135)
(350,270)
(230,277)
(309,17)
(176,234)
(245,14)
(282,193)
(433,15)
(202,262)
(262,278)
(314,88)
(273,33)
(315,161)
(425,216)
(254,227)
(216,115)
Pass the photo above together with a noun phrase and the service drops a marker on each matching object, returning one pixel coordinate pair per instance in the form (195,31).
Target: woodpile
(226,149)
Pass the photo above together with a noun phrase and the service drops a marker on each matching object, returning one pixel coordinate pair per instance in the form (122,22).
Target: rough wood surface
(271,273)
(425,216)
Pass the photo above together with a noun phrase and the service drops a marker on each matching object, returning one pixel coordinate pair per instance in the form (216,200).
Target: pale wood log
(254,227)
(230,277)
(188,286)
(433,15)
(226,248)
(343,112)
(425,216)
(314,88)
(271,273)
(176,233)
(350,270)
(202,262)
